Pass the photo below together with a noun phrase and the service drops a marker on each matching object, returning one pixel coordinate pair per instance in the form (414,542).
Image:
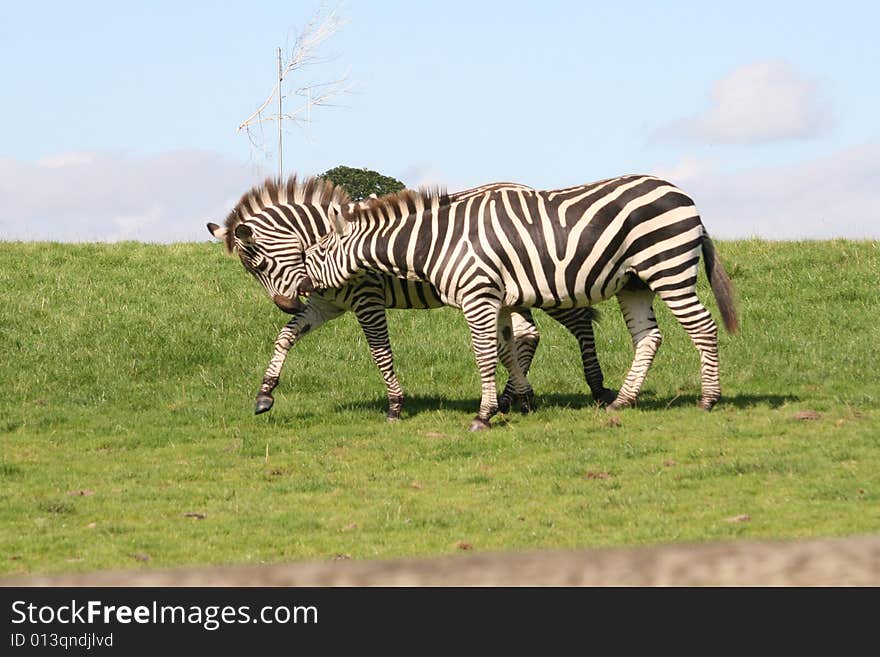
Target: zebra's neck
(309,227)
(327,263)
(403,239)
(380,240)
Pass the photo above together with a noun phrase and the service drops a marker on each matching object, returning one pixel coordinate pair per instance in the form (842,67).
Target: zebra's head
(272,226)
(277,263)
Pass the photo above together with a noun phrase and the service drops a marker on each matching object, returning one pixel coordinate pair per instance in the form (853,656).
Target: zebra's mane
(273,191)
(414,199)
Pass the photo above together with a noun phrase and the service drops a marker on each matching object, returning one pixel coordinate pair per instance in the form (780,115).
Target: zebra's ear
(338,222)
(245,233)
(217,231)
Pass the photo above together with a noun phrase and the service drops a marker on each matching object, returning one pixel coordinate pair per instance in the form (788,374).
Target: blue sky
(119,118)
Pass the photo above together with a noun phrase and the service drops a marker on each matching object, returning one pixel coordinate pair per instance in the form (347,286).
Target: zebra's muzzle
(290,305)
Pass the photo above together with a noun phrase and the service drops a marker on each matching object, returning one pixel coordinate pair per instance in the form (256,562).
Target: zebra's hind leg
(509,351)
(304,321)
(579,322)
(371,316)
(481,314)
(526,338)
(638,312)
(701,328)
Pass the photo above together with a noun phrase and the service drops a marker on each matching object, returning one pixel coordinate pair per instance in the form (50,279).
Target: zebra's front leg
(373,321)
(308,319)
(482,318)
(516,362)
(638,312)
(526,338)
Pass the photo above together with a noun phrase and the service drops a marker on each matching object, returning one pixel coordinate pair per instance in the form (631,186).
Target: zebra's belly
(402,293)
(383,290)
(553,293)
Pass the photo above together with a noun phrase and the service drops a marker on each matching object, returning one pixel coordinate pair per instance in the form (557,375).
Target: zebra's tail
(722,288)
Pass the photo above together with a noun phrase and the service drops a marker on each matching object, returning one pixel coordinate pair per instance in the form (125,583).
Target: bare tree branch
(303,52)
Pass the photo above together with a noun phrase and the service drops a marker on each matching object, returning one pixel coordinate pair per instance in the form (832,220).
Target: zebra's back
(580,245)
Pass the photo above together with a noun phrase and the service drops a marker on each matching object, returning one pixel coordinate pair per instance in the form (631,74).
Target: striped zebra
(632,237)
(274,222)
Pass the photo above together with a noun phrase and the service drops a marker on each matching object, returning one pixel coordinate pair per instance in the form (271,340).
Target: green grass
(129,372)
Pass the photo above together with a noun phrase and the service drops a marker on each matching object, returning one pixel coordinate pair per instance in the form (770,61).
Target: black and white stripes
(633,236)
(272,225)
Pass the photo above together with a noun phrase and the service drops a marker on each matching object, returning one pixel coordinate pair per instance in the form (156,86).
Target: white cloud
(686,169)
(415,177)
(67,158)
(760,102)
(832,196)
(170,196)
(94,196)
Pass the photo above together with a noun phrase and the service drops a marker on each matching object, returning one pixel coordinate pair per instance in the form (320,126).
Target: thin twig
(303,54)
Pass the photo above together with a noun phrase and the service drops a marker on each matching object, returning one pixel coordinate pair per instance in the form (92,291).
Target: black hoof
(478,424)
(527,403)
(395,406)
(264,403)
(504,404)
(606,397)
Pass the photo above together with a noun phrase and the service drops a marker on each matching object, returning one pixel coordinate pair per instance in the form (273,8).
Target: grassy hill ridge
(127,438)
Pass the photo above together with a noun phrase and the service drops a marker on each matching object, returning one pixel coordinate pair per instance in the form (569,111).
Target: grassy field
(128,440)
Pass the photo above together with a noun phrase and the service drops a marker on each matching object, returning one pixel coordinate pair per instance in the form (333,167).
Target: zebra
(269,234)
(633,237)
